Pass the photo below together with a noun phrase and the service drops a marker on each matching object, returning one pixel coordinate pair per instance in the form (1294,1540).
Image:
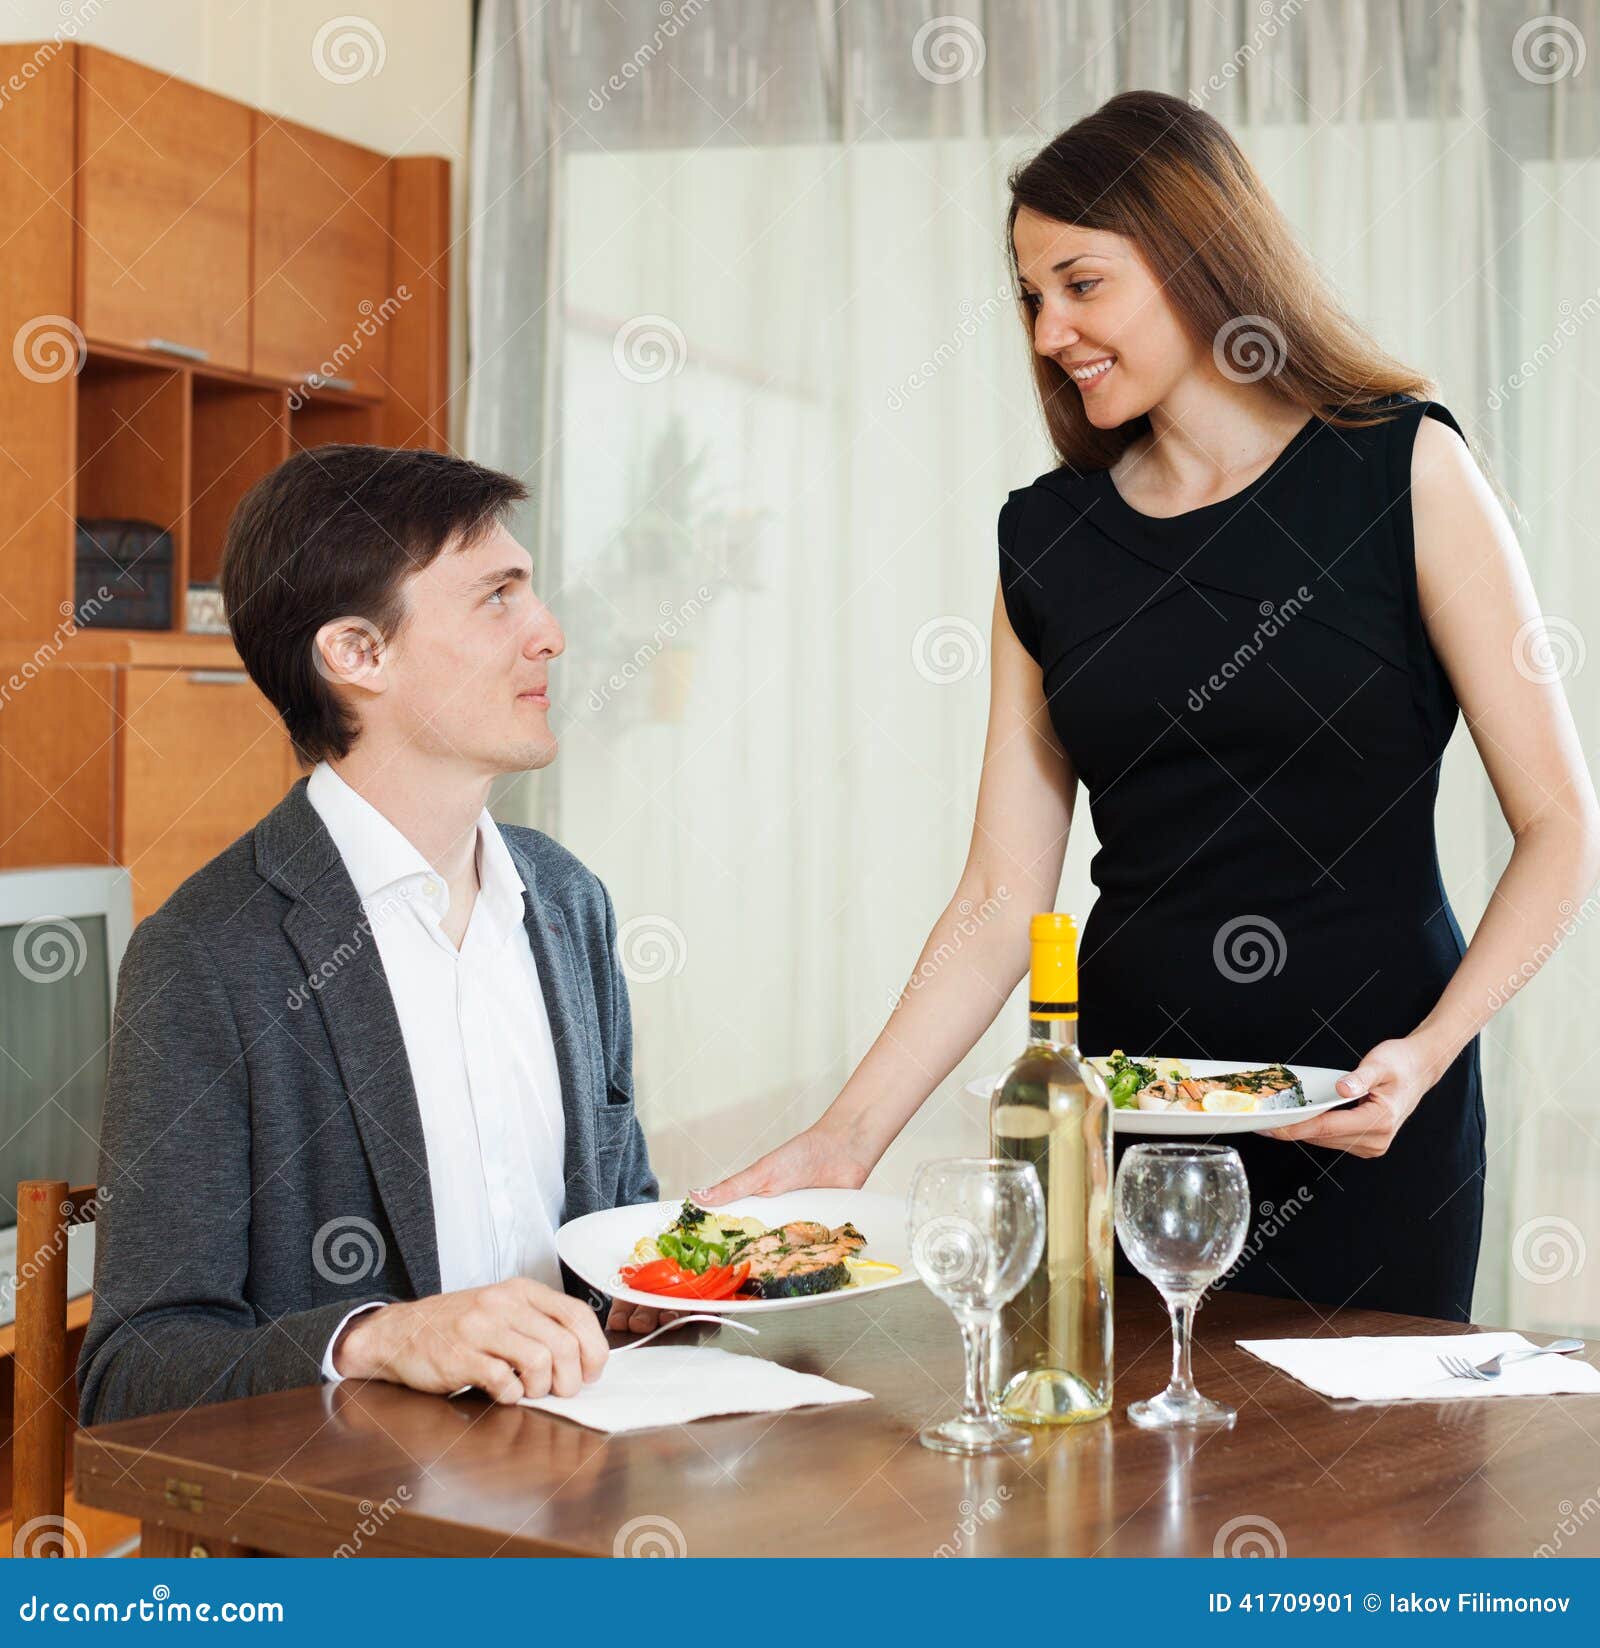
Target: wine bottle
(1051,1348)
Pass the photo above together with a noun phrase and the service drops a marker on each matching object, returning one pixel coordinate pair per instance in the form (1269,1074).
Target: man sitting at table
(367,1060)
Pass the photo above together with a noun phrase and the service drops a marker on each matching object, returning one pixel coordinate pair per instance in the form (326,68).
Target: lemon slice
(863,1271)
(1221,1102)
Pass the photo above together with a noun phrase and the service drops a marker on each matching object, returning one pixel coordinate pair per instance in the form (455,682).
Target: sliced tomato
(643,1276)
(723,1281)
(706,1285)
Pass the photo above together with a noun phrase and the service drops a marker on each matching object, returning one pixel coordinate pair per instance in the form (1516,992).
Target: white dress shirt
(477,1038)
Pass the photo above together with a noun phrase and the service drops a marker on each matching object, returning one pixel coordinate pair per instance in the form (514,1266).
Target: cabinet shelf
(191,265)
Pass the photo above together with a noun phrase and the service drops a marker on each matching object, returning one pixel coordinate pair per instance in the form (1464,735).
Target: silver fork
(1458,1367)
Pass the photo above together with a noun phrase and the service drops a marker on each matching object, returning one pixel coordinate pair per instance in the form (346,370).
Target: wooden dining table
(376,1470)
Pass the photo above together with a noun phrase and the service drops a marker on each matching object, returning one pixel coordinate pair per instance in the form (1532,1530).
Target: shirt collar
(377,856)
(500,886)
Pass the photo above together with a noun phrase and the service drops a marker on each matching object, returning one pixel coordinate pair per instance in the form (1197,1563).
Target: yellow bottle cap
(1053,977)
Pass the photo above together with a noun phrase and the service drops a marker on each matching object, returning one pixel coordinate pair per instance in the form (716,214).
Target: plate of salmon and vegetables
(1177,1098)
(758,1254)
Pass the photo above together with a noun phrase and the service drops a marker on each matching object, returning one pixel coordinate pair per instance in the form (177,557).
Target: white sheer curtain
(737,311)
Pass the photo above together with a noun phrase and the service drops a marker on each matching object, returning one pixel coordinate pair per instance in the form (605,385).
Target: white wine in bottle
(1051,1357)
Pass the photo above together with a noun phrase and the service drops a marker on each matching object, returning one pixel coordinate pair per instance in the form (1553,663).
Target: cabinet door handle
(217,678)
(184,351)
(315,380)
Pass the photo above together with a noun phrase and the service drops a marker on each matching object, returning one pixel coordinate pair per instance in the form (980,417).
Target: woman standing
(1244,612)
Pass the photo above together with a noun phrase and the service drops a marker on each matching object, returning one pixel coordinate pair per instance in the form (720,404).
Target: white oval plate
(598,1243)
(1316,1080)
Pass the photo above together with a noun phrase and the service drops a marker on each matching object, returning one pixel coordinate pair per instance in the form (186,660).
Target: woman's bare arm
(1483,619)
(975,954)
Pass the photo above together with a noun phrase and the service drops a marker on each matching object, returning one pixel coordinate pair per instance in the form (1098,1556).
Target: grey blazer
(262,1161)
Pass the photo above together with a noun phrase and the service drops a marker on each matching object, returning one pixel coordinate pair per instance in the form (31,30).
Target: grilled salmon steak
(799,1258)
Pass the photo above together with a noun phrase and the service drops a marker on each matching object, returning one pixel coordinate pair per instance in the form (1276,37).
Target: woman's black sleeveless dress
(1253,707)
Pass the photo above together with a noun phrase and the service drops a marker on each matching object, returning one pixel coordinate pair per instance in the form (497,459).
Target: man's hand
(515,1339)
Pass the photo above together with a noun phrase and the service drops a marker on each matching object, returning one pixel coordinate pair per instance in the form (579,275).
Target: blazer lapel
(333,939)
(571,1030)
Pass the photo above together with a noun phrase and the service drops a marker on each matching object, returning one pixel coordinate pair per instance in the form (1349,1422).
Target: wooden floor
(102,1531)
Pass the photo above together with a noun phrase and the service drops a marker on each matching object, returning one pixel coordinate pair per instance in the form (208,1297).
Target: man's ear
(351,652)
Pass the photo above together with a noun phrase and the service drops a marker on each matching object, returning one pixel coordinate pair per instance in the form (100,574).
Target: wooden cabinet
(323,297)
(146,765)
(163,201)
(139,215)
(201,757)
(58,730)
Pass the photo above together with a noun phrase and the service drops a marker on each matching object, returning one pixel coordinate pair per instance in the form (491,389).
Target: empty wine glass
(977,1231)
(1182,1211)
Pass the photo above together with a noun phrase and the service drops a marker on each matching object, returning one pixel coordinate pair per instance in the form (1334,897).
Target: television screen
(55,1025)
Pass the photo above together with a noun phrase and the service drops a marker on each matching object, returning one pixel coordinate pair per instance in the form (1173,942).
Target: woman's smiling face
(1101,316)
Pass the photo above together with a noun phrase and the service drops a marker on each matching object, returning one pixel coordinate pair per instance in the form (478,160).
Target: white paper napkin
(672,1384)
(1405,1368)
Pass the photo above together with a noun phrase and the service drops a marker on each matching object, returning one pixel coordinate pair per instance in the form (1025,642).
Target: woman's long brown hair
(1168,177)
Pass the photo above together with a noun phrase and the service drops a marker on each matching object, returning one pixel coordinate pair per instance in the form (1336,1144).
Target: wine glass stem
(1182,1311)
(975,1326)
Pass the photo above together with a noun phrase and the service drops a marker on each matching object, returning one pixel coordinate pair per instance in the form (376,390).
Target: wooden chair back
(43,1400)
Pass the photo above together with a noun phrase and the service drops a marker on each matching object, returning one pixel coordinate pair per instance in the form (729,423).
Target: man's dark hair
(331,534)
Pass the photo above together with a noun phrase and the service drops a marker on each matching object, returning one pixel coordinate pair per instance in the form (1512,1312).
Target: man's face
(468,672)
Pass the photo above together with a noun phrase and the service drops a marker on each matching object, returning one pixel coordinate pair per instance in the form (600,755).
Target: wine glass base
(975,1436)
(1167,1412)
